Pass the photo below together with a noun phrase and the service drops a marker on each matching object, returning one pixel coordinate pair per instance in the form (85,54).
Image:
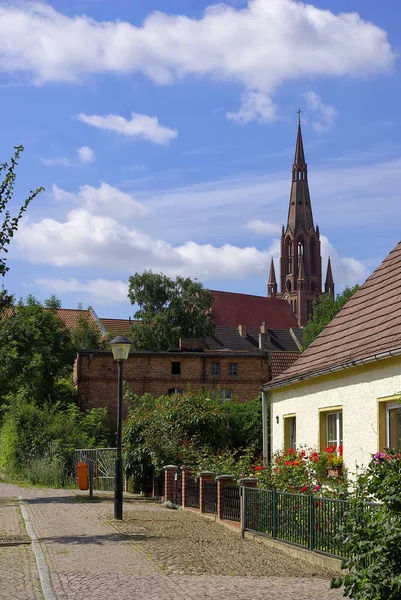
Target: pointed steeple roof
(300,210)
(299,158)
(272,274)
(329,275)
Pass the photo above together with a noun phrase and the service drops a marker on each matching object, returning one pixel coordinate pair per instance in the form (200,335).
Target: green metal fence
(307,521)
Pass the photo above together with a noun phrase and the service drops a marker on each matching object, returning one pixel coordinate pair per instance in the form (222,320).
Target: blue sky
(165,139)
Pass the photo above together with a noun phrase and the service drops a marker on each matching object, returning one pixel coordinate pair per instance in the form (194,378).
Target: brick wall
(95,375)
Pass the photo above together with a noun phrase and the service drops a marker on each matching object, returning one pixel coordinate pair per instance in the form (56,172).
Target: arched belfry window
(288,285)
(289,257)
(300,250)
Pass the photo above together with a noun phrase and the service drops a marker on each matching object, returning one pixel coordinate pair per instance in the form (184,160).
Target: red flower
(340,449)
(259,468)
(304,489)
(295,463)
(302,453)
(288,463)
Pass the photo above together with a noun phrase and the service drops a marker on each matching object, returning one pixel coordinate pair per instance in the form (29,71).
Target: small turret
(329,283)
(272,284)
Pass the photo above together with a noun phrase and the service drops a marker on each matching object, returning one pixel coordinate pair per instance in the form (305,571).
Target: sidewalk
(88,558)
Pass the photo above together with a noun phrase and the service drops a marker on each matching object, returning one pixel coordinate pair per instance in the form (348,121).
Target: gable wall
(357,390)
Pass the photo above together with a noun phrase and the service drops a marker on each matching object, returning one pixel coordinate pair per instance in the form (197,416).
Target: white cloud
(86,240)
(86,154)
(101,291)
(141,126)
(105,200)
(260,46)
(254,106)
(263,227)
(346,271)
(326,114)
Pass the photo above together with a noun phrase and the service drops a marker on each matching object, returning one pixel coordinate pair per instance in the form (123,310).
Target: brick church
(256,337)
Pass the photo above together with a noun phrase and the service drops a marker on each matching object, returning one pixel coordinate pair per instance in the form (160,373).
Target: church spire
(329,284)
(272,284)
(300,258)
(300,210)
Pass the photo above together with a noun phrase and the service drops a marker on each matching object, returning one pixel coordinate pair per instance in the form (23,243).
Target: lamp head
(120,347)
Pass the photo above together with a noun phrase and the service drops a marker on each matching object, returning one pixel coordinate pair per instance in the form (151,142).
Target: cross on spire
(299,116)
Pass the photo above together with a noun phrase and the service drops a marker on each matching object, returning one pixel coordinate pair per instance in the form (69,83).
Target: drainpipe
(265,429)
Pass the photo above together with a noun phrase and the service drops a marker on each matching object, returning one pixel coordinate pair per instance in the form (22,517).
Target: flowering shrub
(373,533)
(303,472)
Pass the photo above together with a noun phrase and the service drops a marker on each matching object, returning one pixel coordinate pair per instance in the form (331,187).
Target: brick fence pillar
(222,480)
(186,472)
(170,471)
(246,482)
(205,476)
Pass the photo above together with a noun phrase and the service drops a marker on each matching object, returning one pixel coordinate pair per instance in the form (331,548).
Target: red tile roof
(369,324)
(117,326)
(233,309)
(282,360)
(71,316)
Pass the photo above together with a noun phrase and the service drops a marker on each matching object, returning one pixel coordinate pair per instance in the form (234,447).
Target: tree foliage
(325,309)
(35,351)
(373,533)
(189,428)
(9,223)
(168,310)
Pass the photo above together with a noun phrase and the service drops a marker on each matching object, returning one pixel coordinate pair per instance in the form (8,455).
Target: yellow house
(344,389)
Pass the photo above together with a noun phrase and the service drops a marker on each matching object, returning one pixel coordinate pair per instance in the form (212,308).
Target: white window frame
(233,367)
(226,394)
(293,432)
(216,366)
(339,417)
(389,406)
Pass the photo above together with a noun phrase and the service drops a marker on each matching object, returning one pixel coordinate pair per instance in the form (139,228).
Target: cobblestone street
(88,556)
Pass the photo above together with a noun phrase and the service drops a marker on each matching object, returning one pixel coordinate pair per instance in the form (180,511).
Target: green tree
(325,309)
(372,533)
(86,334)
(9,223)
(168,310)
(35,352)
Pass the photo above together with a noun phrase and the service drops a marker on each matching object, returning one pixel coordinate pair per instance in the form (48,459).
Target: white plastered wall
(357,390)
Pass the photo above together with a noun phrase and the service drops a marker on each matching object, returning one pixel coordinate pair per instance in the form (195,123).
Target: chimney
(263,337)
(263,328)
(242,330)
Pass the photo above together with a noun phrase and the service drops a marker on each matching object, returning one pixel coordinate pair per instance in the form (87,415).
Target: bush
(373,533)
(192,429)
(37,444)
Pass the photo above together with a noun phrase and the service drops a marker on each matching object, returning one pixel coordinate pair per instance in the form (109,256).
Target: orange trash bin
(83,481)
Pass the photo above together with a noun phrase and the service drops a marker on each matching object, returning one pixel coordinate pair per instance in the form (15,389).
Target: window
(289,257)
(389,422)
(393,425)
(331,427)
(225,394)
(173,391)
(233,369)
(300,250)
(215,368)
(290,432)
(176,368)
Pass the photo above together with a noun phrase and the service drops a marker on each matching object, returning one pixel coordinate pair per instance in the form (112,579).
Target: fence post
(246,482)
(274,514)
(205,476)
(170,472)
(222,481)
(311,515)
(186,472)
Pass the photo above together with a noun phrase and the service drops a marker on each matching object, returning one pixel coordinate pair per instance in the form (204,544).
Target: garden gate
(103,465)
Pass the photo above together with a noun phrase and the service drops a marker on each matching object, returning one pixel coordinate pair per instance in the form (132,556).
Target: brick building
(234,363)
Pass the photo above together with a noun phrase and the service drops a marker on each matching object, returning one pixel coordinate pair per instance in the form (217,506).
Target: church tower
(300,258)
